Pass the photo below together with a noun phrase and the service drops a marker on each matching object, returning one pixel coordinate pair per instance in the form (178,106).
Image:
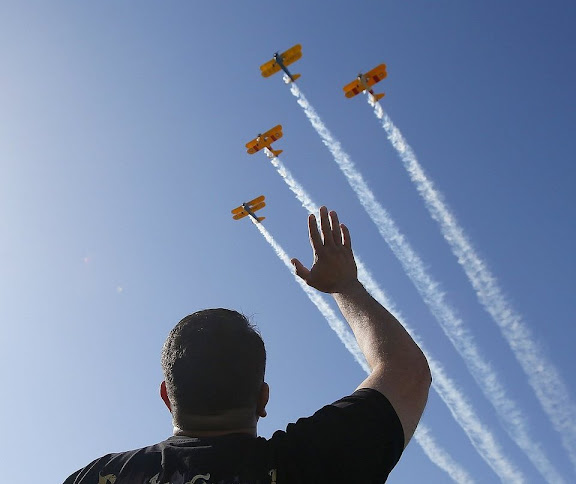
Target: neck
(214,433)
(237,421)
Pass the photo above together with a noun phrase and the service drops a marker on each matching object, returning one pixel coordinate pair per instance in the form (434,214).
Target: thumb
(301,271)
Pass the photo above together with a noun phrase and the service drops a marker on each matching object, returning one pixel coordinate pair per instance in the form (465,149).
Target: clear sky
(122,132)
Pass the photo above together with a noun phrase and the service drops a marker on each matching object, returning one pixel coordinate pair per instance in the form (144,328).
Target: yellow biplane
(280,61)
(248,208)
(364,81)
(265,140)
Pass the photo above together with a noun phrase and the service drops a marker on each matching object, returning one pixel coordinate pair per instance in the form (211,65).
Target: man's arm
(399,369)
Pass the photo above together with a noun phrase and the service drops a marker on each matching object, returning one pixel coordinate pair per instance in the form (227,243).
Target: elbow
(416,360)
(424,375)
(428,372)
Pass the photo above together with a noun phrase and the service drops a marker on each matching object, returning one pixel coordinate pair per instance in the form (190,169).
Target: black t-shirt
(358,439)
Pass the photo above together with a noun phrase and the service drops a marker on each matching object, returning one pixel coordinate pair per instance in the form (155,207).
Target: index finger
(346,240)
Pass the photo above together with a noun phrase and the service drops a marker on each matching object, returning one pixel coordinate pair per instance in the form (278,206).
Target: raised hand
(334,269)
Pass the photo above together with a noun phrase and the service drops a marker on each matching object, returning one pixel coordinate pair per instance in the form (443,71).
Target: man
(213,363)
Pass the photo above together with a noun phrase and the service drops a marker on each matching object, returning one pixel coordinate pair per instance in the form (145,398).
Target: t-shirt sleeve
(358,438)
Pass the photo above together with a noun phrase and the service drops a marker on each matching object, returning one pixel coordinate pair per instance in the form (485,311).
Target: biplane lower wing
(245,214)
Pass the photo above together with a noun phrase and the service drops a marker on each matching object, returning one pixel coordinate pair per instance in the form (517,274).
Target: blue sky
(122,132)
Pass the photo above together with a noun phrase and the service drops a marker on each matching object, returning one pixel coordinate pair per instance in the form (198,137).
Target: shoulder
(107,468)
(358,428)
(366,408)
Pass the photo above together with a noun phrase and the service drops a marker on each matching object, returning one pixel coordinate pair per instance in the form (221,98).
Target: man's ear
(164,395)
(263,400)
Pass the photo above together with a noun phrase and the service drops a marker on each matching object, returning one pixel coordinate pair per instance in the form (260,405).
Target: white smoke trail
(434,452)
(440,457)
(481,437)
(429,289)
(544,378)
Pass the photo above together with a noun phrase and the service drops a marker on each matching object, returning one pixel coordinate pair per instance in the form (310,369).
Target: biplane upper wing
(269,68)
(350,90)
(241,214)
(376,74)
(274,134)
(264,140)
(258,206)
(256,201)
(292,54)
(253,146)
(372,77)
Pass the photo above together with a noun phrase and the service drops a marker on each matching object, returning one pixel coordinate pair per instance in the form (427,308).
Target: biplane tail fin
(295,76)
(276,152)
(377,97)
(260,219)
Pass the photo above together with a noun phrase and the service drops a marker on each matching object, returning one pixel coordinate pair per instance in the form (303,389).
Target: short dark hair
(213,360)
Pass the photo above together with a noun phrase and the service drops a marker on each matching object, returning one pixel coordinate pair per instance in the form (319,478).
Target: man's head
(213,363)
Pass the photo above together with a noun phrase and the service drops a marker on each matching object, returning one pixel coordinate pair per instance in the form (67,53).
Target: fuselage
(364,81)
(250,212)
(278,59)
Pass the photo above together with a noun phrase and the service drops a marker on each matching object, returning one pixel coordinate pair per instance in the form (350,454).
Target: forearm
(383,340)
